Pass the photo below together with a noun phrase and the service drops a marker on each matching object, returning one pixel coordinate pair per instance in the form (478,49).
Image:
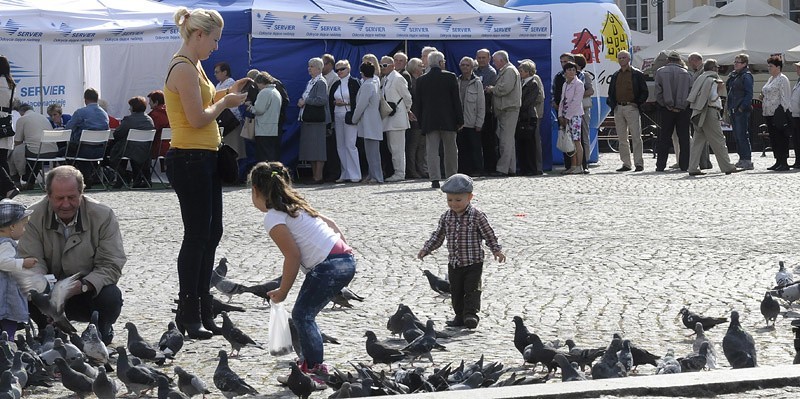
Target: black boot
(187,318)
(207,314)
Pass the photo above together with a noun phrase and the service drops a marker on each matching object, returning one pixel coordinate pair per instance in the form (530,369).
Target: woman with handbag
(776,95)
(7,89)
(342,103)
(192,163)
(315,117)
(570,115)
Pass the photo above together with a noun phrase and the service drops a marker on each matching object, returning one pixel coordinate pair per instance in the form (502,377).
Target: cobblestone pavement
(587,256)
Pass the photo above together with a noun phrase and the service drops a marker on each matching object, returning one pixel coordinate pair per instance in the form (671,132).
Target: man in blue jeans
(740,97)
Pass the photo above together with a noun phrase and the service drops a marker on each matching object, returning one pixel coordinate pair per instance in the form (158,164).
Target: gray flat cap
(457,184)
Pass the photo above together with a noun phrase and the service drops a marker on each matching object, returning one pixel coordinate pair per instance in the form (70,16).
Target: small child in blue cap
(465,228)
(14,305)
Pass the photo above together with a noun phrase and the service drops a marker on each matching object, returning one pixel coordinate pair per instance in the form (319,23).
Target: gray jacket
(673,83)
(366,113)
(473,102)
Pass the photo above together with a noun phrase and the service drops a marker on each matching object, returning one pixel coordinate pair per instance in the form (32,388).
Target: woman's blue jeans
(194,177)
(320,286)
(741,125)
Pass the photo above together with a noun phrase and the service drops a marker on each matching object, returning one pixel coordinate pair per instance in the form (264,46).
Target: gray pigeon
(94,348)
(76,382)
(190,384)
(625,357)
(694,362)
(52,304)
(18,369)
(103,386)
(236,337)
(143,350)
(381,353)
(136,378)
(92,320)
(438,285)
(343,298)
(783,277)
(569,371)
(788,293)
(609,365)
(299,383)
(261,290)
(9,386)
(584,357)
(80,366)
(473,381)
(770,308)
(738,346)
(668,364)
(166,392)
(423,345)
(171,340)
(219,272)
(221,282)
(228,382)
(411,331)
(218,307)
(700,338)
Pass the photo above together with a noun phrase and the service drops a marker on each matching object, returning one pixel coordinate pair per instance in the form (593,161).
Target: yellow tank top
(184,136)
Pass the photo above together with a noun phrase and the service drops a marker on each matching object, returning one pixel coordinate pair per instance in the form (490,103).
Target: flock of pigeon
(85,366)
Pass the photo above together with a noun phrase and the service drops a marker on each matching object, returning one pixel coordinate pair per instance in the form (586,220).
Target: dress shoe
(471,322)
(624,169)
(697,173)
(434,183)
(735,170)
(661,169)
(639,168)
(773,167)
(782,168)
(456,322)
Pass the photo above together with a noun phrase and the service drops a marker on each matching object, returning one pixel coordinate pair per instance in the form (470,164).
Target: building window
(720,3)
(794,10)
(637,16)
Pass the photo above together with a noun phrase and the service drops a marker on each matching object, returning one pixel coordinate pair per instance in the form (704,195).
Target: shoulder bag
(249,129)
(5,122)
(313,113)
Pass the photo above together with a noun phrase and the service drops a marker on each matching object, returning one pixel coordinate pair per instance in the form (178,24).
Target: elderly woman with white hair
(315,115)
(528,141)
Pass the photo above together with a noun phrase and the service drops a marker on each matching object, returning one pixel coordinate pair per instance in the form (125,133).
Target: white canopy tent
(743,26)
(57,49)
(677,26)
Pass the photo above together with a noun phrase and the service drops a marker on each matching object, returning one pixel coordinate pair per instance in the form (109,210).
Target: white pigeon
(783,277)
(711,356)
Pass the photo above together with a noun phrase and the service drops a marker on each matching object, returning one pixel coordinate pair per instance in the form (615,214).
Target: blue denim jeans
(194,177)
(741,125)
(319,287)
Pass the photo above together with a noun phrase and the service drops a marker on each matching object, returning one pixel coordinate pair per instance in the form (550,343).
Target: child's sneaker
(471,322)
(456,322)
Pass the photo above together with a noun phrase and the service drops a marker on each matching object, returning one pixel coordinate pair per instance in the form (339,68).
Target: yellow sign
(614,37)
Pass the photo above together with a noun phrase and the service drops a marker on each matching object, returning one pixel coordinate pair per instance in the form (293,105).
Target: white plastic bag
(564,142)
(280,337)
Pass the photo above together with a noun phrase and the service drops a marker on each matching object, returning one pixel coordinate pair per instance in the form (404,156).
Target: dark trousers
(268,148)
(465,290)
(107,303)
(489,141)
(194,177)
(470,151)
(796,140)
(526,138)
(678,122)
(6,184)
(778,139)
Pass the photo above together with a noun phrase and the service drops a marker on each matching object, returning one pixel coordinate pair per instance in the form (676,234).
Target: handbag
(348,117)
(313,113)
(564,143)
(227,164)
(5,122)
(227,121)
(386,108)
(249,129)
(280,336)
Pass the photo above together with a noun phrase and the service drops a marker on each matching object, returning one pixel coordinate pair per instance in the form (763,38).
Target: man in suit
(440,116)
(506,101)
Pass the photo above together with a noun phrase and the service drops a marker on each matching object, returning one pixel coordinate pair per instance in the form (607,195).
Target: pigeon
(9,386)
(411,331)
(395,323)
(299,383)
(694,362)
(522,337)
(344,391)
(190,384)
(609,365)
(171,340)
(584,357)
(219,272)
(474,381)
(137,378)
(423,345)
(261,290)
(689,318)
(166,392)
(438,285)
(625,357)
(18,369)
(143,350)
(92,320)
(236,337)
(103,386)
(80,366)
(217,307)
(642,357)
(700,338)
(738,346)
(783,277)
(222,284)
(668,364)
(788,293)
(380,353)
(770,308)
(536,353)
(76,382)
(228,382)
(94,348)
(52,304)
(569,371)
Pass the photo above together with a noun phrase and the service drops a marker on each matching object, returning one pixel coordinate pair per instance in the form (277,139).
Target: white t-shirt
(313,236)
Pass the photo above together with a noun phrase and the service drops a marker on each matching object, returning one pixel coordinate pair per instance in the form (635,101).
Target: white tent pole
(41,82)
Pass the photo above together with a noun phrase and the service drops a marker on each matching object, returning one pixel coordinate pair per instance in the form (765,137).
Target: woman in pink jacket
(570,114)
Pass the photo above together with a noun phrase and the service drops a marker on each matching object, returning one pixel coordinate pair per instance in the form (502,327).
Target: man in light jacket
(394,89)
(70,233)
(672,88)
(506,101)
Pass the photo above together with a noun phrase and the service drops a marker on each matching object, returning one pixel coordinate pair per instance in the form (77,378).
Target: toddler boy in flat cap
(14,305)
(465,227)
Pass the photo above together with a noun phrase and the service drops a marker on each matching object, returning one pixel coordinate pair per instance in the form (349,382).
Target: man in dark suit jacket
(438,108)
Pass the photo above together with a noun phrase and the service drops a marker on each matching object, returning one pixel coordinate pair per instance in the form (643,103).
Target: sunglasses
(385,65)
(340,69)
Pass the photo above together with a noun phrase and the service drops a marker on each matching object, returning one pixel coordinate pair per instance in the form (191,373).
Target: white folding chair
(160,157)
(137,136)
(92,142)
(49,141)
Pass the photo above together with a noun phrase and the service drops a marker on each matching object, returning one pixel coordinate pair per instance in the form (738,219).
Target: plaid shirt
(464,235)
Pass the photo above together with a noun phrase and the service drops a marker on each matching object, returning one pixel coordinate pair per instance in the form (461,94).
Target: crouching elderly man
(70,233)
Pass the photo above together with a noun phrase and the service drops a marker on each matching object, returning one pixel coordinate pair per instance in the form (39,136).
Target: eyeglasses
(340,69)
(738,62)
(466,65)
(385,65)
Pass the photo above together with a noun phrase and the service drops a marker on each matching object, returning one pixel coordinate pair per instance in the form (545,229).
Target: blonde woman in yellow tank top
(192,107)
